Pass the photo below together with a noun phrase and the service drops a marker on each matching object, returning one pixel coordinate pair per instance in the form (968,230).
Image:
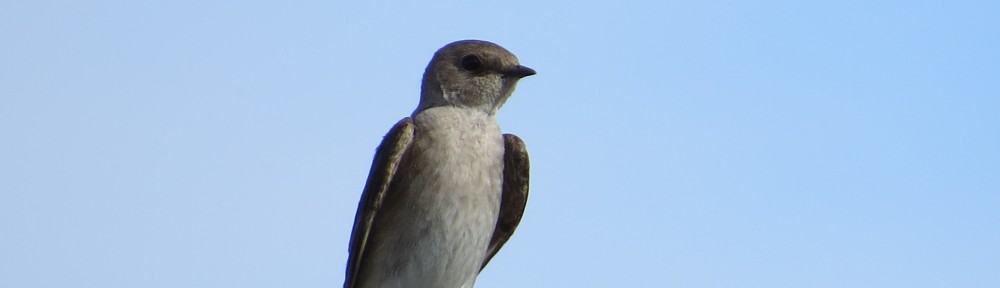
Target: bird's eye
(471,63)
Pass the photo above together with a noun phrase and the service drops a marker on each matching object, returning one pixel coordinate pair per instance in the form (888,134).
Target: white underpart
(451,204)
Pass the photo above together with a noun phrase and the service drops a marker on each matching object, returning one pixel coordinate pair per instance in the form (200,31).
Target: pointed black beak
(518,72)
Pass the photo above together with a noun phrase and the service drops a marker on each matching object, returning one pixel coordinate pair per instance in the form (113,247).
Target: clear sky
(673,144)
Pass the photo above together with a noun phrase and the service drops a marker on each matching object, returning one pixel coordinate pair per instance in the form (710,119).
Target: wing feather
(515,194)
(387,158)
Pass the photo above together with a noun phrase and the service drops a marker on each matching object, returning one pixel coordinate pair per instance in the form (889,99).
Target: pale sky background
(673,144)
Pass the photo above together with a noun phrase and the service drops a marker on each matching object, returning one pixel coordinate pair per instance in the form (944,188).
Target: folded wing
(515,193)
(384,167)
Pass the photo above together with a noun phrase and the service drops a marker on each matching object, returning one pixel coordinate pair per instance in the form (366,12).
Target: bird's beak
(518,72)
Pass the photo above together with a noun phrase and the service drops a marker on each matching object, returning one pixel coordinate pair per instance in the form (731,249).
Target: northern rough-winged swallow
(446,189)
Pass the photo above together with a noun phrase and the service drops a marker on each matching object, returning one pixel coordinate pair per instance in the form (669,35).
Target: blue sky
(673,144)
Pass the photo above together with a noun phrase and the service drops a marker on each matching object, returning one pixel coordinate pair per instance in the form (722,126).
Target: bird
(447,188)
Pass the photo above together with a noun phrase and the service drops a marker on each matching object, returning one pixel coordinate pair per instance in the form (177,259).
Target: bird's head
(471,73)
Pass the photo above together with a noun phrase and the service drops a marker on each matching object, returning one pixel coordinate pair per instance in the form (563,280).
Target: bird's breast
(450,204)
(458,161)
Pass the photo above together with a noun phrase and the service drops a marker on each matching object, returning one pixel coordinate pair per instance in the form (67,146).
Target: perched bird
(446,189)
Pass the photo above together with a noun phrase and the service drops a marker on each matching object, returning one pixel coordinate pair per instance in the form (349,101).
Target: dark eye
(471,63)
